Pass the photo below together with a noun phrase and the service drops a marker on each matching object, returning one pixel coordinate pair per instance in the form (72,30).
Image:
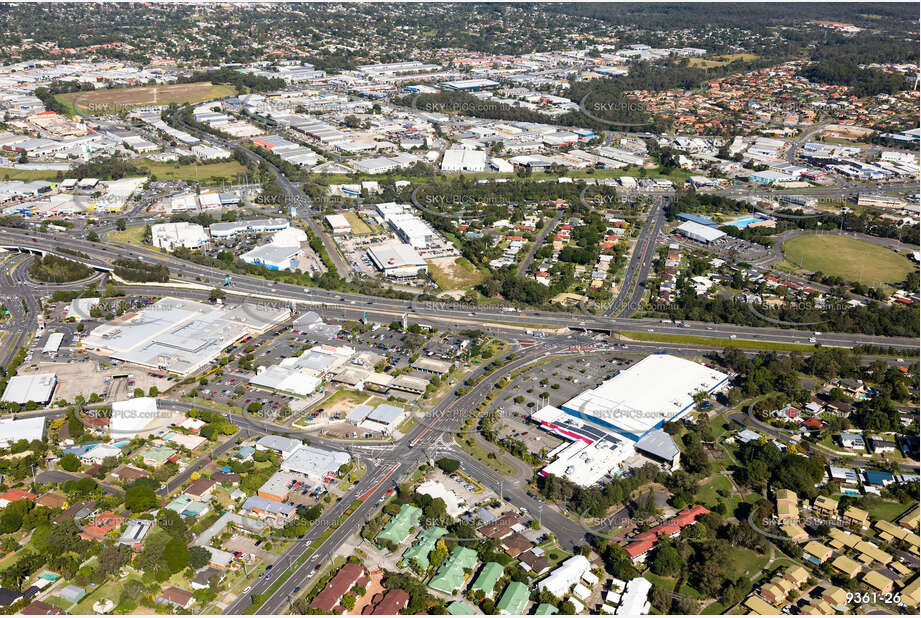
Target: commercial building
(280,444)
(277,487)
(273,257)
(179,234)
(591,453)
(432,365)
(292,380)
(35,387)
(637,400)
(701,233)
(53,343)
(314,463)
(397,260)
(409,384)
(180,336)
(659,445)
(273,512)
(385,418)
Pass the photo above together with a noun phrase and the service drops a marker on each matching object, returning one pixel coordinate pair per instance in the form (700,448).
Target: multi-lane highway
(356,305)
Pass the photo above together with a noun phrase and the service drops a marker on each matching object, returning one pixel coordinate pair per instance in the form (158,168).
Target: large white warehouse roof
(659,388)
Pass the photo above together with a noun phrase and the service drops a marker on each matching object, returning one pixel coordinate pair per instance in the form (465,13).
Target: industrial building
(136,416)
(180,336)
(179,234)
(339,224)
(36,387)
(398,260)
(640,399)
(463,160)
(470,84)
(701,233)
(21,429)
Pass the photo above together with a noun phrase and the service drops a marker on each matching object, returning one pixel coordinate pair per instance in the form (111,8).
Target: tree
(177,555)
(92,236)
(448,466)
(199,557)
(667,561)
(121,224)
(69,462)
(140,498)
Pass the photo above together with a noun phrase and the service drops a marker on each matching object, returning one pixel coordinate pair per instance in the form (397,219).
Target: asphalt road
(633,288)
(384,309)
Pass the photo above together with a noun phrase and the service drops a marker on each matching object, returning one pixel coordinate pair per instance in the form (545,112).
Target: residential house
(200,489)
(817,553)
(856,517)
(851,440)
(878,582)
(836,597)
(846,566)
(177,597)
(327,601)
(392,603)
(825,507)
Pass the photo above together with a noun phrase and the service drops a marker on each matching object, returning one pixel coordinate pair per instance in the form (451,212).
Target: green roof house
(156,455)
(423,546)
(397,529)
(545,609)
(461,608)
(452,574)
(513,599)
(486,580)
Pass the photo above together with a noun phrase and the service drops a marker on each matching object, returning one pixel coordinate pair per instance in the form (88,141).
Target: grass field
(719,61)
(482,455)
(28,175)
(719,342)
(454,273)
(359,227)
(848,258)
(114,100)
(884,509)
(206,173)
(133,235)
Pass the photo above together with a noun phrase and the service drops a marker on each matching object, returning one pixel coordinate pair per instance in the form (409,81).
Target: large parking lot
(559,381)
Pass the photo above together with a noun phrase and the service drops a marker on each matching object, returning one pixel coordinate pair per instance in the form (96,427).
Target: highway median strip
(722,342)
